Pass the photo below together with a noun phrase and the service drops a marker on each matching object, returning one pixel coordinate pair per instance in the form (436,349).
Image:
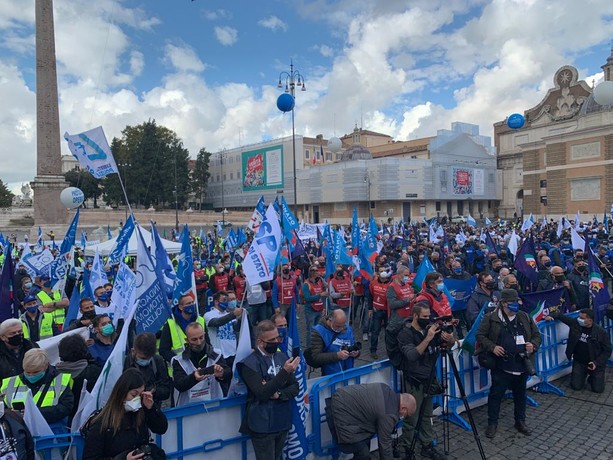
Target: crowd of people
(190,359)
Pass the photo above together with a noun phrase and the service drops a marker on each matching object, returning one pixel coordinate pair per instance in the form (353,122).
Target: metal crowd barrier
(608,326)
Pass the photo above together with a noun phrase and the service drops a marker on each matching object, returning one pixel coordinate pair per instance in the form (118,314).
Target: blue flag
(109,235)
(424,268)
(163,266)
(83,240)
(372,225)
(289,220)
(121,243)
(296,445)
(355,232)
(86,288)
(540,304)
(525,262)
(598,290)
(460,291)
(73,307)
(470,340)
(8,286)
(186,283)
(231,240)
(365,254)
(59,267)
(152,309)
(340,250)
(470,220)
(491,246)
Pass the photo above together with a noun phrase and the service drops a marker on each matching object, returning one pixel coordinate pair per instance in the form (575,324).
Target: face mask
(490,284)
(497,269)
(47,284)
(189,309)
(271,348)
(227,267)
(581,322)
(109,294)
(107,329)
(21,271)
(220,270)
(282,332)
(513,286)
(32,309)
(582,269)
(458,270)
(285,271)
(35,378)
(197,348)
(198,267)
(231,304)
(103,297)
(339,272)
(559,278)
(547,264)
(133,405)
(384,275)
(405,279)
(423,323)
(90,314)
(513,307)
(16,340)
(440,287)
(223,305)
(28,285)
(143,362)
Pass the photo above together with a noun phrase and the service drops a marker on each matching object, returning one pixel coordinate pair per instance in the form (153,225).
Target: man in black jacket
(152,366)
(271,385)
(357,412)
(485,292)
(512,336)
(589,347)
(12,348)
(419,342)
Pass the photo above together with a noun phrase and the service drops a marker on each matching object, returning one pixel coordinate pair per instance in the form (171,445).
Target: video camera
(355,347)
(444,322)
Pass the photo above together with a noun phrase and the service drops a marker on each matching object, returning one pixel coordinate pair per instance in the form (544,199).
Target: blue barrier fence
(210,430)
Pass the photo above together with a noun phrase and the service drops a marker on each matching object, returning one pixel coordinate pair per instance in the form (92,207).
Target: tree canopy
(6,196)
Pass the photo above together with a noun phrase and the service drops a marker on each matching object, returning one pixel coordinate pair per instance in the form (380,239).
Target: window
(231,176)
(306,154)
(544,183)
(338,157)
(328,156)
(438,205)
(373,205)
(238,175)
(490,178)
(217,178)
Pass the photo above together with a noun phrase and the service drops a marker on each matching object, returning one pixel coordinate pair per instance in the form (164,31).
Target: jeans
(409,424)
(579,374)
(311,317)
(379,317)
(268,446)
(501,381)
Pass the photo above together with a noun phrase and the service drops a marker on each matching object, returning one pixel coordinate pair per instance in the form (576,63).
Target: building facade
(451,174)
(561,161)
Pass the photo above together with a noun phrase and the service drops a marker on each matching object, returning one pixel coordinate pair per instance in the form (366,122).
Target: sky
(208,69)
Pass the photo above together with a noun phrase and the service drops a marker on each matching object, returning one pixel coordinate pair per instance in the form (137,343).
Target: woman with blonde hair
(121,429)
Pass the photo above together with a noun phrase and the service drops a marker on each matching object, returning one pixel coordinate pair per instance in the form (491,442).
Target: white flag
(576,240)
(577,221)
(93,152)
(33,419)
(262,257)
(514,243)
(243,349)
(124,292)
(51,344)
(97,276)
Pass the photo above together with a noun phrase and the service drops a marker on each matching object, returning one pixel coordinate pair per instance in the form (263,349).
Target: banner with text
(263,168)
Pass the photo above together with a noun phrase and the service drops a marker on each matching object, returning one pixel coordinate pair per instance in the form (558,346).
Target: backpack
(391,344)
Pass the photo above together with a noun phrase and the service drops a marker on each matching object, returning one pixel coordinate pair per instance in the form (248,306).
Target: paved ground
(578,425)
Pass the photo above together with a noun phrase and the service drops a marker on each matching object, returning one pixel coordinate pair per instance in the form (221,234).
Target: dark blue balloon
(516,121)
(285,102)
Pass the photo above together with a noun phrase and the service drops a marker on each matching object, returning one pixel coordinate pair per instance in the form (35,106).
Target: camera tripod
(445,354)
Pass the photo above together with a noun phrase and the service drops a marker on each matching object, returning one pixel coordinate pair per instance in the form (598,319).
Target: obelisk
(49,213)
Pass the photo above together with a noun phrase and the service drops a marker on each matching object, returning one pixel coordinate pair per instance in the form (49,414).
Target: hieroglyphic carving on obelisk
(49,181)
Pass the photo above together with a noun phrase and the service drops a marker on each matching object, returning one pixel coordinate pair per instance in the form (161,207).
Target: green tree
(6,197)
(153,165)
(89,185)
(200,176)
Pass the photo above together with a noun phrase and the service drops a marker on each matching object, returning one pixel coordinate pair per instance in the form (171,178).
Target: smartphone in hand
(295,352)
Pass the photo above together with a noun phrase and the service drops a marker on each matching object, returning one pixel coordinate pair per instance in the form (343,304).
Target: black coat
(11,364)
(91,372)
(14,427)
(155,375)
(106,445)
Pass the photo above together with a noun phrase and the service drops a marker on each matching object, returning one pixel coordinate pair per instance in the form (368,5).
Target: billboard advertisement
(263,168)
(467,181)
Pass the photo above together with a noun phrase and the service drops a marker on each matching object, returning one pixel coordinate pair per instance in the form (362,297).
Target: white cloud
(273,23)
(213,15)
(183,58)
(326,51)
(227,36)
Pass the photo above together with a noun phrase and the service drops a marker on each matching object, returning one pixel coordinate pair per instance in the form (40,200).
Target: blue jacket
(332,343)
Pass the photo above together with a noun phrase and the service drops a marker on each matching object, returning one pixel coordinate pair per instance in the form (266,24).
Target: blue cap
(30,298)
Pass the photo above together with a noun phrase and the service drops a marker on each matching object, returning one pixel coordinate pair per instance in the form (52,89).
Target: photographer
(332,344)
(418,343)
(513,338)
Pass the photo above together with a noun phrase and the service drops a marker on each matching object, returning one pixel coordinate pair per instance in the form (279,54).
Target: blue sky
(208,68)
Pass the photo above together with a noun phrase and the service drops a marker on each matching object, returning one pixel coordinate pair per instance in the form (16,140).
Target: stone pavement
(578,425)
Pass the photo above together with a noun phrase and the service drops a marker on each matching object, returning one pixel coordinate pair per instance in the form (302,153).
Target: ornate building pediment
(562,102)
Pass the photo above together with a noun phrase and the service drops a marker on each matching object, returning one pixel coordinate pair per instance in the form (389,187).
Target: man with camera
(419,341)
(511,336)
(333,347)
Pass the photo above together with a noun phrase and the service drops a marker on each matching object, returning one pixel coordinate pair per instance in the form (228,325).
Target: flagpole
(123,188)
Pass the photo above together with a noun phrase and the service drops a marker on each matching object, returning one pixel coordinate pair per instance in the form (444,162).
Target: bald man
(333,345)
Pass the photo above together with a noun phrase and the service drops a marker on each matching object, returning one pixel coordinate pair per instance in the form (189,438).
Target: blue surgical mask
(32,309)
(282,332)
(28,285)
(440,287)
(103,297)
(458,270)
(143,362)
(35,378)
(231,304)
(223,305)
(107,330)
(405,279)
(514,307)
(47,284)
(581,322)
(189,309)
(198,267)
(109,294)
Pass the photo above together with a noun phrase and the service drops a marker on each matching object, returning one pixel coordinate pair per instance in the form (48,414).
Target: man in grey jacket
(357,412)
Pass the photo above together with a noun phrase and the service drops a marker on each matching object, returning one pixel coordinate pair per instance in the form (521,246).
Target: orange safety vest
(316,289)
(286,288)
(342,286)
(403,291)
(379,294)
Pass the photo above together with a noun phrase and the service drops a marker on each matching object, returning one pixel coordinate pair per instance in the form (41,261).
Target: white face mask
(133,405)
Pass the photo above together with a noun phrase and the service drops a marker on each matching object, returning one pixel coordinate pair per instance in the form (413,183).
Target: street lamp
(176,193)
(292,79)
(223,213)
(125,165)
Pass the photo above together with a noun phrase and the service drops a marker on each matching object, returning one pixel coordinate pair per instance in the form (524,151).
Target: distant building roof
(356,152)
